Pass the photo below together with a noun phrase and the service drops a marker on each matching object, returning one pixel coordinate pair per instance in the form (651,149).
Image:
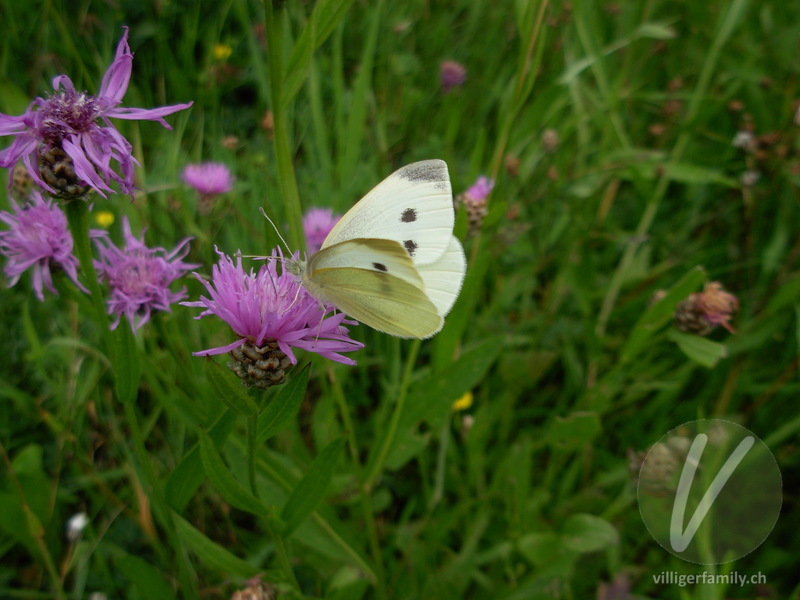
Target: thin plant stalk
(375,470)
(35,529)
(252,442)
(78,218)
(185,574)
(287,180)
(281,553)
(367,509)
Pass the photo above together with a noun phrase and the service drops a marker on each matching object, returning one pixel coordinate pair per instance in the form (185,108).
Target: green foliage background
(527,493)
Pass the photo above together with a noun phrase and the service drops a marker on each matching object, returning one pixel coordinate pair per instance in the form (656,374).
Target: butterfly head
(295,266)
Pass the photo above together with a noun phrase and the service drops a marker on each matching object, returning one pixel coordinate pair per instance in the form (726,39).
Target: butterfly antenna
(266,216)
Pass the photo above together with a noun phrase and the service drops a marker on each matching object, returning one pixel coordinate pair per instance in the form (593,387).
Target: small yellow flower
(104,218)
(464,402)
(222,51)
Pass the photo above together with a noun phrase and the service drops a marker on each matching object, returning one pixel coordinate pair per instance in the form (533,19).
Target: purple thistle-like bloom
(39,239)
(474,201)
(451,75)
(481,188)
(69,133)
(317,224)
(208,178)
(264,306)
(139,277)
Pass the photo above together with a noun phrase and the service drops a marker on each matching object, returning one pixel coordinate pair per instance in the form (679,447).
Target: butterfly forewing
(413,206)
(378,299)
(385,256)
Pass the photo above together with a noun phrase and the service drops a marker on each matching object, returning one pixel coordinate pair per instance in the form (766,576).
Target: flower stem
(252,438)
(78,219)
(366,498)
(374,472)
(287,180)
(35,528)
(163,512)
(280,551)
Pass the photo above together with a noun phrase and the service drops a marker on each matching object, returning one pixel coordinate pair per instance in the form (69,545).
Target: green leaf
(575,430)
(538,548)
(656,31)
(660,313)
(310,489)
(407,448)
(226,484)
(212,554)
(283,406)
(125,357)
(689,174)
(588,533)
(11,516)
(148,580)
(35,483)
(228,388)
(701,350)
(188,475)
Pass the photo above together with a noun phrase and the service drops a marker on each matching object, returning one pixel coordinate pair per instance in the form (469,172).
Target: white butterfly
(392,261)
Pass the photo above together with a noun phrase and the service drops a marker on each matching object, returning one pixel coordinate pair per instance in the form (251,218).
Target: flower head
(208,178)
(67,141)
(39,239)
(317,224)
(463,403)
(451,75)
(701,313)
(265,307)
(480,189)
(104,218)
(221,51)
(474,201)
(139,277)
(75,526)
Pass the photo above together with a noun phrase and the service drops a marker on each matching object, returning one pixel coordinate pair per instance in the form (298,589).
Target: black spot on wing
(380,267)
(411,246)
(409,215)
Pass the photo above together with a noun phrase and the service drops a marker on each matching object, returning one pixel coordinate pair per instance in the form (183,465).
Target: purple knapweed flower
(451,75)
(701,312)
(39,239)
(474,201)
(208,178)
(139,277)
(267,308)
(67,142)
(480,189)
(317,224)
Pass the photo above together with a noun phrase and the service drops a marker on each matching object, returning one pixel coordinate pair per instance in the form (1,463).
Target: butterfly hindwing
(442,280)
(413,206)
(378,299)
